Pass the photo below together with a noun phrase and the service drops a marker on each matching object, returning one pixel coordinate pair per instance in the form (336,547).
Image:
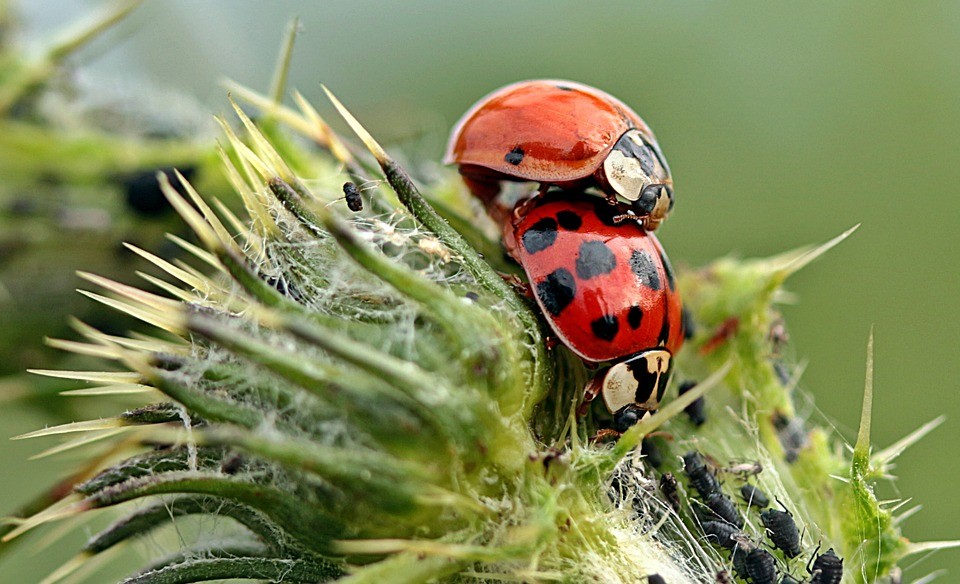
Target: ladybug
(608,292)
(565,134)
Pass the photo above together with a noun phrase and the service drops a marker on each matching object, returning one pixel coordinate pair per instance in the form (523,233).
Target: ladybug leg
(605,435)
(523,288)
(590,392)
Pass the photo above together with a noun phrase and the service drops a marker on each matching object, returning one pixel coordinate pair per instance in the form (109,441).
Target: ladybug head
(637,173)
(637,383)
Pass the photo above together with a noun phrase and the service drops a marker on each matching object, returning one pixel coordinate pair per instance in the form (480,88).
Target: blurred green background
(784,124)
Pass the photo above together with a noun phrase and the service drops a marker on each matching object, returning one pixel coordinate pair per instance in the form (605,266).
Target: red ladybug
(564,134)
(608,292)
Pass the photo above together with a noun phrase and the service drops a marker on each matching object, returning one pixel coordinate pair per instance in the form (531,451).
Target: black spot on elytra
(540,236)
(569,220)
(605,327)
(557,291)
(646,271)
(664,331)
(634,317)
(594,259)
(668,269)
(515,156)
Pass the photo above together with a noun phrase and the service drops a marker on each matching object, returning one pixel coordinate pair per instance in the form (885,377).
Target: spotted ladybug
(565,134)
(608,291)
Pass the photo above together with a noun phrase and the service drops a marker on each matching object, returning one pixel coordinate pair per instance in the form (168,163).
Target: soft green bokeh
(784,124)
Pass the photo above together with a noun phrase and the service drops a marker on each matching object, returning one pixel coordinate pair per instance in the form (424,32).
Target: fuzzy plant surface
(360,396)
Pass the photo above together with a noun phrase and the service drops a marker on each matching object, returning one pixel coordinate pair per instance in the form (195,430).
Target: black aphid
(754,496)
(827,568)
(761,567)
(782,531)
(700,476)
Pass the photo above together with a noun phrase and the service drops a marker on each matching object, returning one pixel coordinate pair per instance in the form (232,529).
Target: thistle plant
(362,397)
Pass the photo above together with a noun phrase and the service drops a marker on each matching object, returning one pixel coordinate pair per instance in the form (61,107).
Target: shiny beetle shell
(606,288)
(608,292)
(565,134)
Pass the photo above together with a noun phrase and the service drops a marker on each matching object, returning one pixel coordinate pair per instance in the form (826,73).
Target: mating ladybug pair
(599,275)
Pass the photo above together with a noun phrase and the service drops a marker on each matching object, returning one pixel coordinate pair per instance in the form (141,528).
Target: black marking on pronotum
(761,567)
(754,496)
(782,531)
(569,220)
(644,269)
(605,327)
(655,579)
(557,291)
(540,236)
(515,156)
(668,270)
(594,259)
(646,381)
(642,152)
(695,411)
(634,317)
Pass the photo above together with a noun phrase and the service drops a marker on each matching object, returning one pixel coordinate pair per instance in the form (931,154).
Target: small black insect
(827,568)
(724,508)
(655,579)
(792,435)
(651,453)
(700,476)
(668,486)
(754,496)
(232,464)
(782,531)
(721,533)
(739,558)
(352,194)
(761,567)
(143,193)
(696,411)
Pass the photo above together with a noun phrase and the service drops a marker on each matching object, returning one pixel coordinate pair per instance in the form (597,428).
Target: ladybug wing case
(606,288)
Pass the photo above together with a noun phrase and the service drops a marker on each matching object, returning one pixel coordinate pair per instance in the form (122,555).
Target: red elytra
(606,289)
(565,134)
